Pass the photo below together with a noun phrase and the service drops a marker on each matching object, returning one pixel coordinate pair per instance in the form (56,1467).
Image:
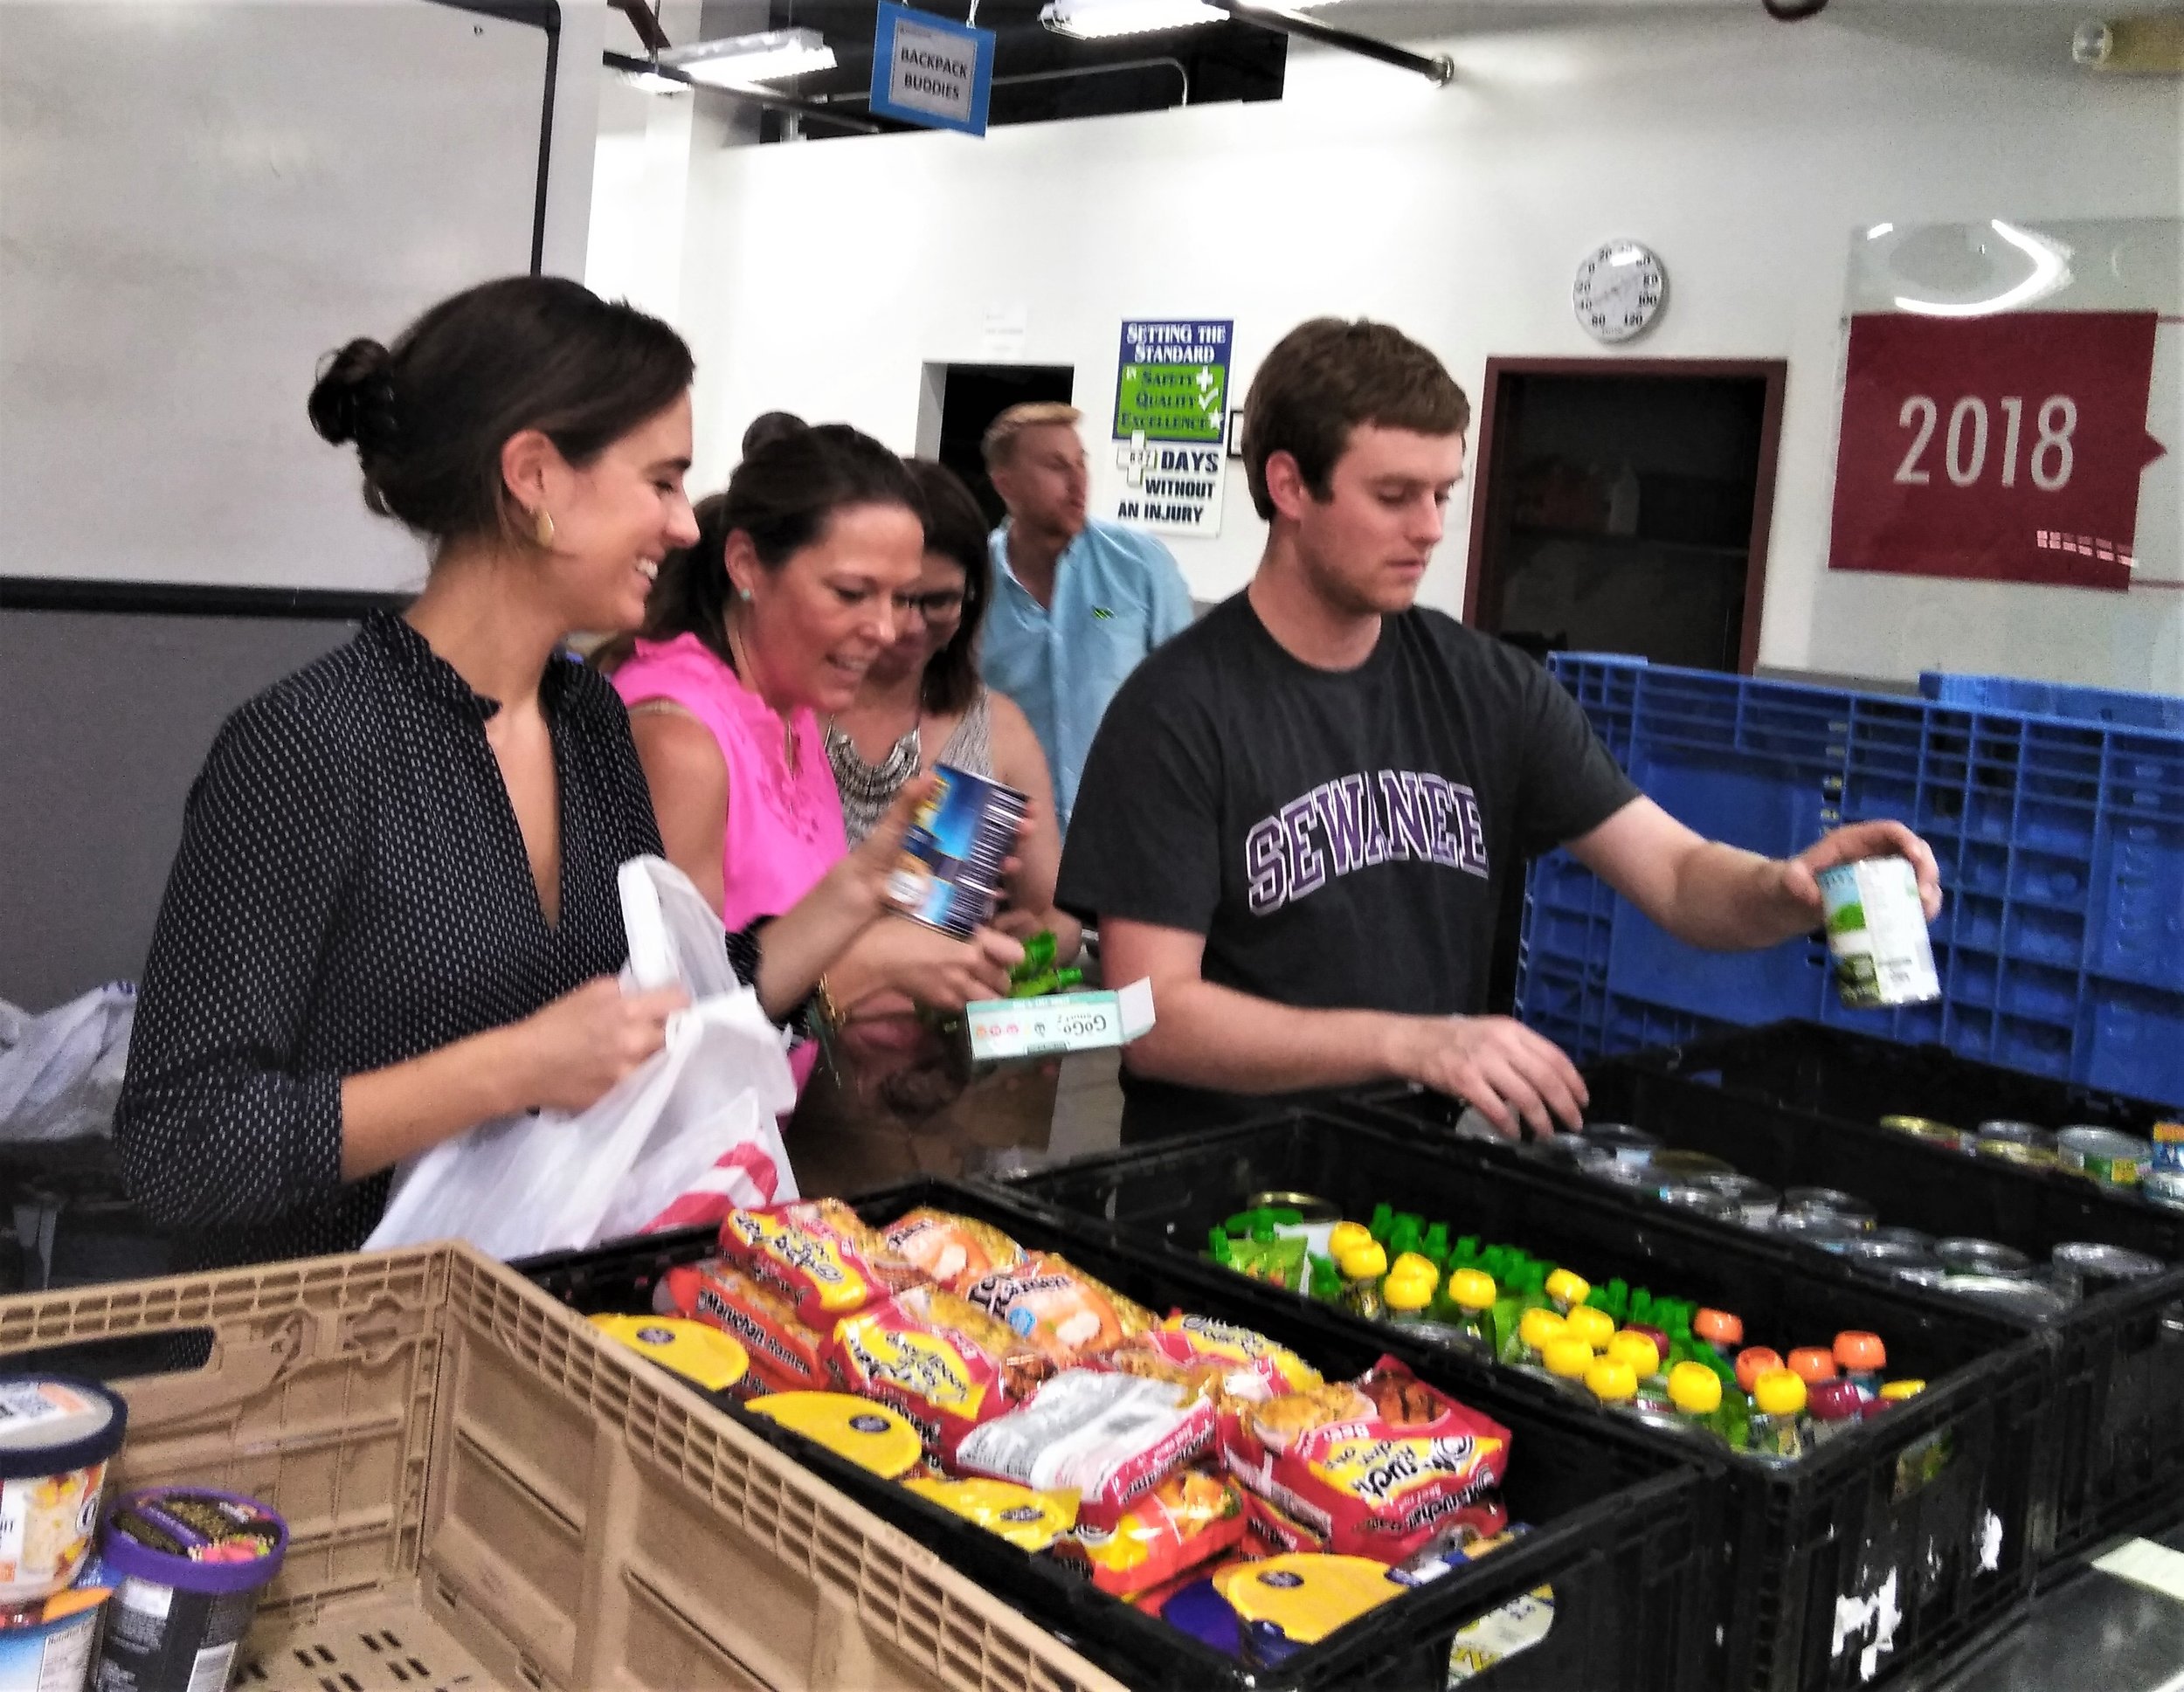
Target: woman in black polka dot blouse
(393,915)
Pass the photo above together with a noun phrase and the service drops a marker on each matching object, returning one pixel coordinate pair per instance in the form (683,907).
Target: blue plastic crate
(2060,839)
(2161,712)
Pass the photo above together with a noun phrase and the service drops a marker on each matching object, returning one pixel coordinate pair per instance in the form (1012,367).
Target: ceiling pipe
(1438,69)
(767,98)
(646,21)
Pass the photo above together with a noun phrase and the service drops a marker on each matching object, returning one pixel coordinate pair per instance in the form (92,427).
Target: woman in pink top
(770,619)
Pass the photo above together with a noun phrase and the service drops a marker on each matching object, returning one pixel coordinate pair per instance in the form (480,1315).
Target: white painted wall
(1744,151)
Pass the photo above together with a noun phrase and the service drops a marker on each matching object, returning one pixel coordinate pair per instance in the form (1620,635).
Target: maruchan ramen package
(870,1435)
(1378,1468)
(1110,1438)
(953,1251)
(820,1253)
(1192,1517)
(1030,1521)
(1057,1306)
(786,1354)
(1252,1365)
(943,1362)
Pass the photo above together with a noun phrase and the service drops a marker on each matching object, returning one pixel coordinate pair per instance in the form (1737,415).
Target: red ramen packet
(1190,1518)
(786,1355)
(1250,1365)
(944,1362)
(1375,1469)
(1110,1438)
(820,1253)
(1057,1306)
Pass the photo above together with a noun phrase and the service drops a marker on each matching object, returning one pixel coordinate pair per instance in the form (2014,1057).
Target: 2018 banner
(2005,448)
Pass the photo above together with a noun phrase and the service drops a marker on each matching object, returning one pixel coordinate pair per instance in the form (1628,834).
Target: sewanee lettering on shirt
(1341,839)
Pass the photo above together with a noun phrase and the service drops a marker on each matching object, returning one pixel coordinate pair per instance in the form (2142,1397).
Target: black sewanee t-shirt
(1339,837)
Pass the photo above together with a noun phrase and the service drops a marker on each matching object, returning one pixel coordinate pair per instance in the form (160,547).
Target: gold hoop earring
(543,527)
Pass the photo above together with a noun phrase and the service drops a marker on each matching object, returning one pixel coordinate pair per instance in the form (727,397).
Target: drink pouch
(944,1362)
(820,1253)
(1188,1519)
(1060,1309)
(1374,1469)
(786,1355)
(952,1251)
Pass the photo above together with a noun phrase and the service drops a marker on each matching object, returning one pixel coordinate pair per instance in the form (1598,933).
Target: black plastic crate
(1623,1530)
(1797,1103)
(1810,1549)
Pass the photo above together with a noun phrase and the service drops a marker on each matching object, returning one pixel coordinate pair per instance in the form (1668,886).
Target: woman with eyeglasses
(769,622)
(901,1102)
(922,703)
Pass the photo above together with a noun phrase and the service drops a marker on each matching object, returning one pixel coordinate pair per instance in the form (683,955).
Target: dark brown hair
(1324,379)
(956,528)
(782,496)
(429,415)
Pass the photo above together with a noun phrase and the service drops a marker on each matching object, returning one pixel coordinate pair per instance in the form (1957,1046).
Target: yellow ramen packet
(1030,1521)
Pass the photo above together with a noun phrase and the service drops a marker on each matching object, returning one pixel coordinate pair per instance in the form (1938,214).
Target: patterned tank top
(868,789)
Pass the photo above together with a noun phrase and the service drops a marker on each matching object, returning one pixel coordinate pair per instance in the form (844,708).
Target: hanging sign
(930,69)
(2004,449)
(1172,420)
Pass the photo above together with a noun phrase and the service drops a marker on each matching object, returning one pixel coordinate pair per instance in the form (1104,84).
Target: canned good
(2166,1187)
(2025,1298)
(1876,934)
(1889,1254)
(1816,1227)
(1896,1234)
(2168,1146)
(1688,1195)
(1833,1202)
(1755,1200)
(1926,1129)
(1625,1143)
(1637,1176)
(1567,1152)
(1310,1207)
(2080,1268)
(2103,1155)
(1673,1164)
(2022,1144)
(1986,1258)
(947,872)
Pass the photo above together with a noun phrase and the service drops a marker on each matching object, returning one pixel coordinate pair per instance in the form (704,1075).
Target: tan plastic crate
(481,1491)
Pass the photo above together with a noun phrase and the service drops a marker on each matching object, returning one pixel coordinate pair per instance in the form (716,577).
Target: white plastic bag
(60,1074)
(699,1118)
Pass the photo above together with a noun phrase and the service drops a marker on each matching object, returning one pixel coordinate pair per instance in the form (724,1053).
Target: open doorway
(957,402)
(1624,504)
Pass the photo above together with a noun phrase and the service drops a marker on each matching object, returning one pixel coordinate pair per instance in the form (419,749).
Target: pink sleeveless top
(785,828)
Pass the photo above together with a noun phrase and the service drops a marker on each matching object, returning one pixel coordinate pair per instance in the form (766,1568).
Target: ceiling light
(653,83)
(1096,20)
(739,61)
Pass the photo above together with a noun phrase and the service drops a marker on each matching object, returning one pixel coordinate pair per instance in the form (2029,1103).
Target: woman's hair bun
(353,399)
(771,429)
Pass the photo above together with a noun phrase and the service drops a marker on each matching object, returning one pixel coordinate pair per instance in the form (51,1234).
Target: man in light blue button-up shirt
(1077,603)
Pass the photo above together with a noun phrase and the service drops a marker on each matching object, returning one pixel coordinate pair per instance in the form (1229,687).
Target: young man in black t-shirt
(1297,815)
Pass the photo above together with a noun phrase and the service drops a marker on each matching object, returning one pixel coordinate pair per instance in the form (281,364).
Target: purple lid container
(127,1557)
(1836,1401)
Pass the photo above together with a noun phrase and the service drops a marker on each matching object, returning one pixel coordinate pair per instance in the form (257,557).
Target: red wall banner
(2003,449)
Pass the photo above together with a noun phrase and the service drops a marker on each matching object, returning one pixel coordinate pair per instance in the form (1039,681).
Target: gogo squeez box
(1002,1028)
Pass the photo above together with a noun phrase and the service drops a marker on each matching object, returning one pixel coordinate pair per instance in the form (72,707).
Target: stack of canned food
(1842,1223)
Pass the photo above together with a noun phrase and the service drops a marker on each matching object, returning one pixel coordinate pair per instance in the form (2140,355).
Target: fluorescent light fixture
(1879,229)
(2050,270)
(1098,20)
(741,61)
(653,83)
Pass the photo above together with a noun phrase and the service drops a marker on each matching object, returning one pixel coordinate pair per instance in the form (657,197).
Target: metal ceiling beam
(646,21)
(1438,69)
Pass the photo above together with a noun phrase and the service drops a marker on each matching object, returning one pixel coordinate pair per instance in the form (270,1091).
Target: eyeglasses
(944,605)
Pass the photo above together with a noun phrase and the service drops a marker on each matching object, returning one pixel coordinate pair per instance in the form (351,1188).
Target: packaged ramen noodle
(1057,1306)
(940,1360)
(1378,1468)
(1252,1365)
(1112,1438)
(870,1435)
(951,1250)
(786,1354)
(1192,1517)
(819,1252)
